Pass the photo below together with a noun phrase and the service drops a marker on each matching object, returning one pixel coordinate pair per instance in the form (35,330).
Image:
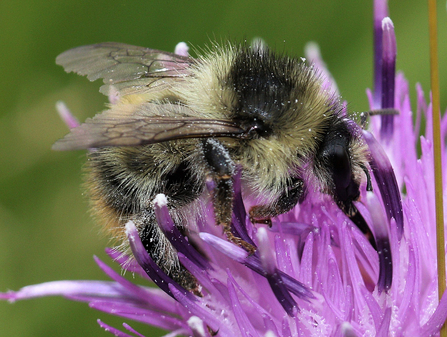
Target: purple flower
(314,273)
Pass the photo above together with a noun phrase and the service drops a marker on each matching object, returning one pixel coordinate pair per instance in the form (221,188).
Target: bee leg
(257,216)
(222,168)
(292,195)
(345,203)
(361,224)
(161,251)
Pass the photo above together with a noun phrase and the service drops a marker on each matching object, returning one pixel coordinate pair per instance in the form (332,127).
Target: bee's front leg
(222,168)
(292,195)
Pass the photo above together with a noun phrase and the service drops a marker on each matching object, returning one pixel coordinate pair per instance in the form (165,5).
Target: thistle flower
(314,273)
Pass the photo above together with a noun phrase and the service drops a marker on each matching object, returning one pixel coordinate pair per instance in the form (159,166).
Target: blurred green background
(45,230)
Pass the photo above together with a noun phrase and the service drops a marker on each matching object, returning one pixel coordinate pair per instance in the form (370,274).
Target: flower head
(314,272)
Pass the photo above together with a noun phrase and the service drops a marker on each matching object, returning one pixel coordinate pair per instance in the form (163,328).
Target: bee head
(340,164)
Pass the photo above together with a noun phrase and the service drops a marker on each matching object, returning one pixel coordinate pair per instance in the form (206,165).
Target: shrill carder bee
(181,120)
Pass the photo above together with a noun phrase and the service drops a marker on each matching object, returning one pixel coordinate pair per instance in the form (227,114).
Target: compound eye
(341,167)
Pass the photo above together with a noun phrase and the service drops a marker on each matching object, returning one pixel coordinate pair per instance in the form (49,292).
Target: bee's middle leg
(222,169)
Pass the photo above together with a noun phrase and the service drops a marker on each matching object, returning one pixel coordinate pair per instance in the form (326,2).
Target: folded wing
(130,69)
(150,123)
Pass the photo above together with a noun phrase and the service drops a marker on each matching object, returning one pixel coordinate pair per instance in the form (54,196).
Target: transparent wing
(165,122)
(130,69)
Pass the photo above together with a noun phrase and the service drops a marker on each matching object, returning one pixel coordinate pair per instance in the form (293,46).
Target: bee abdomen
(128,180)
(122,190)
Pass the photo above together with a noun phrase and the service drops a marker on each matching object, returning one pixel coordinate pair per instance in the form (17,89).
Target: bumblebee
(180,121)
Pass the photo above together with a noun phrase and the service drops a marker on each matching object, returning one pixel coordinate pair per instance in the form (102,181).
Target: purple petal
(385,325)
(388,77)
(155,301)
(181,49)
(348,252)
(282,294)
(306,271)
(313,55)
(383,243)
(259,309)
(126,262)
(67,288)
(179,332)
(275,281)
(436,320)
(239,218)
(364,247)
(294,228)
(203,278)
(162,320)
(334,286)
(386,181)
(270,326)
(380,12)
(421,108)
(224,246)
(265,251)
(373,306)
(286,254)
(149,266)
(135,290)
(286,328)
(129,328)
(410,289)
(245,327)
(197,327)
(174,236)
(347,330)
(66,115)
(254,263)
(296,287)
(112,330)
(349,302)
(199,309)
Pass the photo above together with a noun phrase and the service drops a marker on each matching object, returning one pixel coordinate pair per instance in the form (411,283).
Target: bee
(181,121)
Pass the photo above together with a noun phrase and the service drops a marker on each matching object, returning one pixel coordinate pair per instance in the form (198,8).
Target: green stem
(434,74)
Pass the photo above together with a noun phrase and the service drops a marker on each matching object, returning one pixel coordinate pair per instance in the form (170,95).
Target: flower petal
(253,262)
(112,330)
(149,266)
(386,180)
(388,77)
(174,236)
(98,289)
